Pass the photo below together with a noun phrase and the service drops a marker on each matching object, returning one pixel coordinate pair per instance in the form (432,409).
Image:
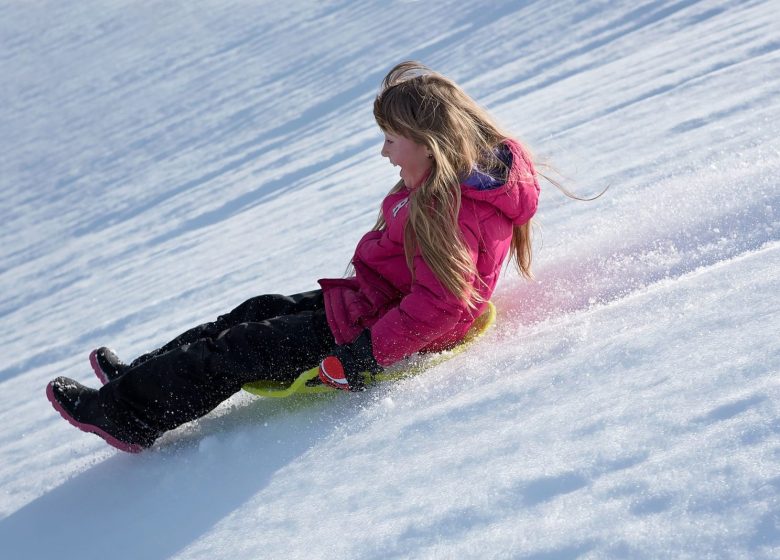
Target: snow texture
(160,162)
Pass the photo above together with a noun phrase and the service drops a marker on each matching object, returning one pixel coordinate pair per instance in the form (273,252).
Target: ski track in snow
(161,163)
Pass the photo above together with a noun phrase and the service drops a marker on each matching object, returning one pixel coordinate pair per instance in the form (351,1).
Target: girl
(466,194)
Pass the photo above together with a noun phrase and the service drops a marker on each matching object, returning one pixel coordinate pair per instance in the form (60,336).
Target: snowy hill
(161,162)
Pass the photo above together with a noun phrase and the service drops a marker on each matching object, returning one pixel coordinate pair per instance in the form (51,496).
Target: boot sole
(89,428)
(96,368)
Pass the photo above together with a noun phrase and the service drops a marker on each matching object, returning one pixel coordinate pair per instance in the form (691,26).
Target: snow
(162,162)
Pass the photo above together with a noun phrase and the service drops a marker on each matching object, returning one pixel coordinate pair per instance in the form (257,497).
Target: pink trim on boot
(96,367)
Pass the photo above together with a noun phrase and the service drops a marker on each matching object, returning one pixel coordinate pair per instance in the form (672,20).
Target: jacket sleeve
(429,311)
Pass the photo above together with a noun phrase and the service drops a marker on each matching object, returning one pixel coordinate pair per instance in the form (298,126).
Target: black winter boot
(81,406)
(106,365)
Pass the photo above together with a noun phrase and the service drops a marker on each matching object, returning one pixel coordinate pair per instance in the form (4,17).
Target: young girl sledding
(421,276)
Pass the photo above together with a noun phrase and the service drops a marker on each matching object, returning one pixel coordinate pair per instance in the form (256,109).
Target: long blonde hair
(432,110)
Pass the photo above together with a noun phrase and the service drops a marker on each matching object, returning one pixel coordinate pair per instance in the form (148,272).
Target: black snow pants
(269,337)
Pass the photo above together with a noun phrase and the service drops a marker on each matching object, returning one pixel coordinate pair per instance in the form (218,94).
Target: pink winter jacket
(406,316)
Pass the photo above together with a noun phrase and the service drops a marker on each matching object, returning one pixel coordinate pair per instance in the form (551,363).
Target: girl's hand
(344,369)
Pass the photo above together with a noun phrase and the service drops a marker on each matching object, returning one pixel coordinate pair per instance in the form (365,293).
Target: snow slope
(160,162)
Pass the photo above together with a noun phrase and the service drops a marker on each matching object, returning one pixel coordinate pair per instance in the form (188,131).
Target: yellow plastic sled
(308,382)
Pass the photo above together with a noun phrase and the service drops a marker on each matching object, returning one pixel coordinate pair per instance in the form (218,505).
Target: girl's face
(410,156)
